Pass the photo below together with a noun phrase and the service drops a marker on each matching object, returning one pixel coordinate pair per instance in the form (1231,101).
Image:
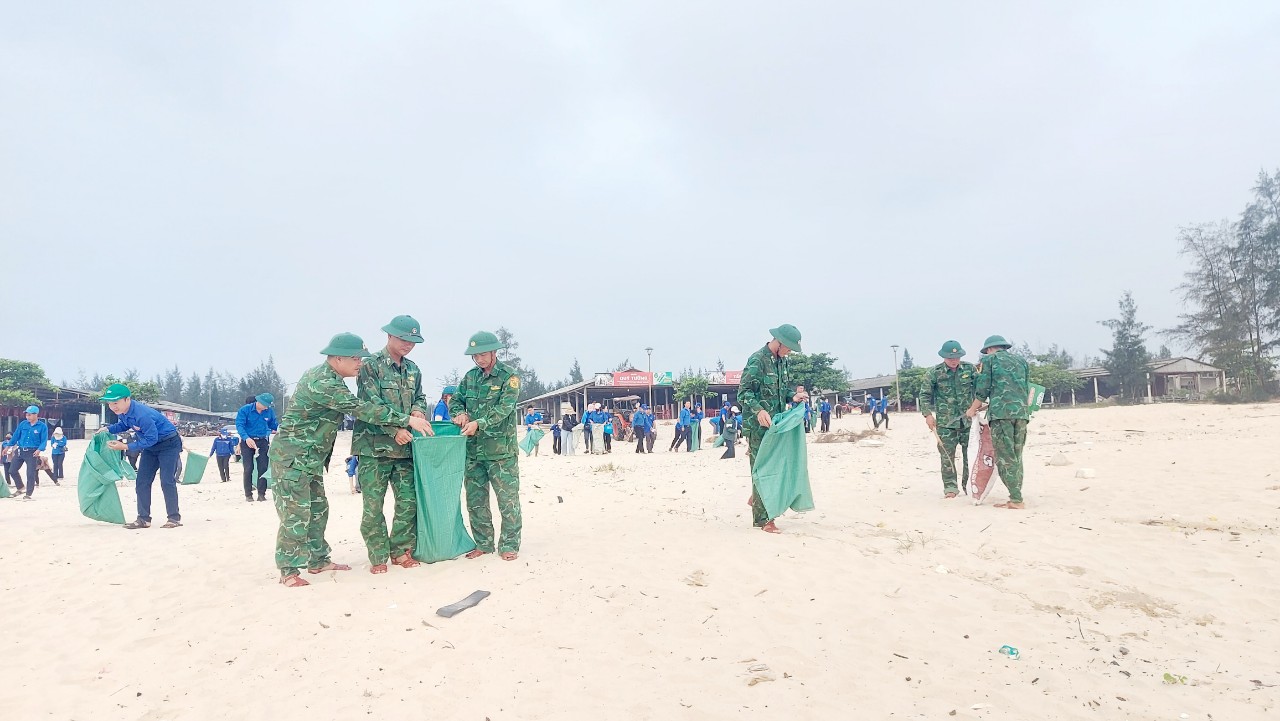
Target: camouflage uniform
(490,400)
(383,462)
(947,394)
(307,432)
(1004,381)
(764,386)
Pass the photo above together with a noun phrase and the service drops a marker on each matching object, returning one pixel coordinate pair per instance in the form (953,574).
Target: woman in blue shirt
(59,453)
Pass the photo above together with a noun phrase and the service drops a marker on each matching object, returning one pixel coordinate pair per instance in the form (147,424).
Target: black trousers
(608,443)
(729,450)
(132,458)
(640,436)
(586,438)
(58,458)
(224,468)
(826,421)
(879,416)
(648,441)
(27,456)
(681,433)
(555,445)
(248,455)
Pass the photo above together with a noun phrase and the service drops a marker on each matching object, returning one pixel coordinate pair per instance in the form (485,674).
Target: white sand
(1170,552)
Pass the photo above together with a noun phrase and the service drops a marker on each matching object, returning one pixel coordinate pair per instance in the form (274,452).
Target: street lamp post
(650,352)
(897,381)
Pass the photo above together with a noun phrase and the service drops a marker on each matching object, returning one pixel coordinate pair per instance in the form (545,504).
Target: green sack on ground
(781,472)
(439,463)
(96,485)
(531,440)
(196,464)
(4,488)
(695,434)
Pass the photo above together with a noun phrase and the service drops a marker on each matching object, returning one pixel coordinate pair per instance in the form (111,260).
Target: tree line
(216,391)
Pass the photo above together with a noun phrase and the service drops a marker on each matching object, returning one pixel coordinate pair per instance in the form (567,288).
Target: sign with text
(733,377)
(631,378)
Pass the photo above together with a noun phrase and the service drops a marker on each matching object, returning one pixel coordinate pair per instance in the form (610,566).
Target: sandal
(406,561)
(379,568)
(172,524)
(294,581)
(138,524)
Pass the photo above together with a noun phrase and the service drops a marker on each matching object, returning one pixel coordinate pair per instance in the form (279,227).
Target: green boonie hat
(787,335)
(346,344)
(265,399)
(404,327)
(115,392)
(483,342)
(951,349)
(996,341)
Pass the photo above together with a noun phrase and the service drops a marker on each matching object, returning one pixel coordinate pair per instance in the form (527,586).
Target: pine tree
(906,360)
(1128,358)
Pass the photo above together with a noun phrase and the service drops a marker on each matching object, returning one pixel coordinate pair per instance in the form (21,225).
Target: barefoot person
(159,449)
(384,453)
(945,396)
(1004,382)
(307,432)
(485,409)
(764,392)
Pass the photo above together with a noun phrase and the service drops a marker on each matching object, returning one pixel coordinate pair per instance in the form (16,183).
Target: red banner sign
(631,378)
(733,377)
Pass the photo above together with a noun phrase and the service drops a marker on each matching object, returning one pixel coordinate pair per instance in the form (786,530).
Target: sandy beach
(642,592)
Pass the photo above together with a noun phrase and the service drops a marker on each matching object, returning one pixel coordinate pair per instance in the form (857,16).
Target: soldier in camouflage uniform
(485,408)
(389,377)
(945,395)
(1004,382)
(307,432)
(764,392)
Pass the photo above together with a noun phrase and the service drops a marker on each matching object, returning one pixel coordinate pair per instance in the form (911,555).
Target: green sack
(267,477)
(695,434)
(96,485)
(4,488)
(781,472)
(1034,398)
(442,428)
(196,464)
(531,440)
(439,463)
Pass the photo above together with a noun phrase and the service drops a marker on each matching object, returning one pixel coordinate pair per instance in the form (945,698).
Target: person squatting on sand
(307,432)
(485,409)
(1004,382)
(945,396)
(764,392)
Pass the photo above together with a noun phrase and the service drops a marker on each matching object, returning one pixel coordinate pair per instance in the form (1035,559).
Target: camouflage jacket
(400,387)
(490,400)
(310,426)
(764,386)
(1004,382)
(948,393)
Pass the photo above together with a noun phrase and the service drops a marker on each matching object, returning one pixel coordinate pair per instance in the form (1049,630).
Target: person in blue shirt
(824,411)
(532,418)
(590,420)
(555,438)
(608,436)
(441,413)
(255,422)
(224,446)
(30,439)
(682,427)
(880,412)
(159,446)
(642,425)
(59,453)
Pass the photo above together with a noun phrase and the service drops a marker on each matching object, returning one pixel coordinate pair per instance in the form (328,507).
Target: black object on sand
(454,609)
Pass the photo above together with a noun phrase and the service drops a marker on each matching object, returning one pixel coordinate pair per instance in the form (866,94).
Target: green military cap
(996,341)
(787,335)
(483,342)
(404,327)
(116,391)
(951,349)
(346,344)
(265,399)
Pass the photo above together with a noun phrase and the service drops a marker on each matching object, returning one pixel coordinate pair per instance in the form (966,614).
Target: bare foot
(330,566)
(406,561)
(950,494)
(1012,505)
(380,568)
(770,528)
(509,555)
(475,553)
(294,581)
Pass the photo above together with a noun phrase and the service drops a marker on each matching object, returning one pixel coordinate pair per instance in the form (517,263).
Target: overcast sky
(209,183)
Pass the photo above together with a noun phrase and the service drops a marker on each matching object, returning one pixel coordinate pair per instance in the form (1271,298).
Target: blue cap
(449,391)
(33,409)
(265,399)
(644,406)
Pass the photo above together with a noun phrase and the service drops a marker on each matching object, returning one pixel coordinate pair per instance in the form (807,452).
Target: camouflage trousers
(304,513)
(952,437)
(759,516)
(1009,436)
(375,475)
(504,475)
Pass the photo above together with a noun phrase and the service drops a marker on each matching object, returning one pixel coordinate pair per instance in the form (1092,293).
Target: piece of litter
(979,706)
(454,609)
(1086,473)
(941,569)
